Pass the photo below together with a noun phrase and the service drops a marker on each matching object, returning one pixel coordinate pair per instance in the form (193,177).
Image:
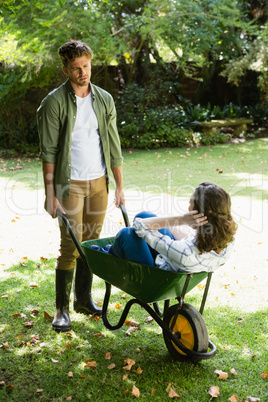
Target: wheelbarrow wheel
(190,329)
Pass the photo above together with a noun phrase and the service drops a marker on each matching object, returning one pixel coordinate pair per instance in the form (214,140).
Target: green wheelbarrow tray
(146,283)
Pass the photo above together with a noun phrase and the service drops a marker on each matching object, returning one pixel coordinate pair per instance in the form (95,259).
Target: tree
(135,34)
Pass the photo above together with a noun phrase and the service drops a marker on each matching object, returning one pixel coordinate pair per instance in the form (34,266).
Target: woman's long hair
(215,203)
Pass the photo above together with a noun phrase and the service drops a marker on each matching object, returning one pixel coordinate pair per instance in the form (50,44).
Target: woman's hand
(194,219)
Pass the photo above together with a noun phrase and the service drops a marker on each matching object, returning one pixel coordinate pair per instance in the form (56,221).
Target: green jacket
(55,121)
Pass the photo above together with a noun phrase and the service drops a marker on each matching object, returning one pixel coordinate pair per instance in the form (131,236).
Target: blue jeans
(131,247)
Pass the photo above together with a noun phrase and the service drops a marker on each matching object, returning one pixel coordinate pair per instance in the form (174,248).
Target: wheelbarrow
(184,329)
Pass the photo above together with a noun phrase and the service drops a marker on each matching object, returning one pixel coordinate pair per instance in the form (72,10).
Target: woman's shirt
(180,255)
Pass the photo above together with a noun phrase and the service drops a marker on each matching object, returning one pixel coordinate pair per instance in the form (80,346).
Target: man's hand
(119,197)
(119,193)
(51,206)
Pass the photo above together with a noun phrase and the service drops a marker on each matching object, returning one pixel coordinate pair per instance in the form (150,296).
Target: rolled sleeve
(116,158)
(48,129)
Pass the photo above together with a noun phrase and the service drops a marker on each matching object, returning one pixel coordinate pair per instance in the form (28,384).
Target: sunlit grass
(240,336)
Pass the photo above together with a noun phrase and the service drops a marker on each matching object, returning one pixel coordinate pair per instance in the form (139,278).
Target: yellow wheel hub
(184,330)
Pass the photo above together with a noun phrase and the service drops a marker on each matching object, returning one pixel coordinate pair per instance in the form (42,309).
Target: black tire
(191,330)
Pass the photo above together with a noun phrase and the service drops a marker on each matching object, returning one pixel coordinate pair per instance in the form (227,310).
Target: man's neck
(81,92)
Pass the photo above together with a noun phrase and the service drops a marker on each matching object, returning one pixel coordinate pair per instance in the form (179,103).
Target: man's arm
(51,202)
(119,193)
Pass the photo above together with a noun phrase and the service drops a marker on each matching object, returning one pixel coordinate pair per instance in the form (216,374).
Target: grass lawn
(39,364)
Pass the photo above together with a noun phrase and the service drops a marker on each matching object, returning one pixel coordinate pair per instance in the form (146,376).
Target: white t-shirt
(87,160)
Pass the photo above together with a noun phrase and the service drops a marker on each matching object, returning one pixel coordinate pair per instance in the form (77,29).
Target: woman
(161,242)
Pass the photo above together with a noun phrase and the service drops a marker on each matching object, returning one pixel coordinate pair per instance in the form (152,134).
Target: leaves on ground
(129,363)
(214,391)
(221,374)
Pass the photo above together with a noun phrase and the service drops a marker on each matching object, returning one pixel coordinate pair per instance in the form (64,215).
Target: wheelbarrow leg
(83,302)
(64,279)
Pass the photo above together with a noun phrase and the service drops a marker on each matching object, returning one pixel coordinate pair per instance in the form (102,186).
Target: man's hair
(215,203)
(73,49)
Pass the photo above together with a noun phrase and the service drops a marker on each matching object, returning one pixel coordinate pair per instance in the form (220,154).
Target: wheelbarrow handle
(125,215)
(73,236)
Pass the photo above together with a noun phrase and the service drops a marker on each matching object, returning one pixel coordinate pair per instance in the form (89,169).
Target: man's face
(79,71)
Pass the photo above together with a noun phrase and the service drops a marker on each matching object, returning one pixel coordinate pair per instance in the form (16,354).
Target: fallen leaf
(129,363)
(34,313)
(108,355)
(111,366)
(6,345)
(35,338)
(2,383)
(153,391)
(132,323)
(233,398)
(19,315)
(10,386)
(221,374)
(117,306)
(54,361)
(4,297)
(125,376)
(33,285)
(172,393)
(138,371)
(47,316)
(68,346)
(214,391)
(252,399)
(82,376)
(91,364)
(69,398)
(265,374)
(21,343)
(98,335)
(233,371)
(135,391)
(28,324)
(148,319)
(130,330)
(70,374)
(39,390)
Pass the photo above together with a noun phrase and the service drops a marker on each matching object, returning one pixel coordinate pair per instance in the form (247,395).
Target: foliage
(143,123)
(141,34)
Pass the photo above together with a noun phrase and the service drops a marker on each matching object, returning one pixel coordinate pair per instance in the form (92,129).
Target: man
(79,145)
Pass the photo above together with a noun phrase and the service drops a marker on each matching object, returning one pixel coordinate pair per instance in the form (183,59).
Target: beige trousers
(85,209)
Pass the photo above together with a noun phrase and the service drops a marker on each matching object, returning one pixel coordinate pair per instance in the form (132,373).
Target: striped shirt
(181,255)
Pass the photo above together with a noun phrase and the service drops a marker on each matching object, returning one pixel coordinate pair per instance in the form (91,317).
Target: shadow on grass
(38,363)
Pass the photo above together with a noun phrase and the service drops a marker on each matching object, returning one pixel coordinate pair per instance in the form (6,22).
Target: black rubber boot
(83,302)
(64,279)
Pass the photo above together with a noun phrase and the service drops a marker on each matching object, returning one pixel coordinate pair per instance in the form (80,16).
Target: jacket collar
(71,91)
